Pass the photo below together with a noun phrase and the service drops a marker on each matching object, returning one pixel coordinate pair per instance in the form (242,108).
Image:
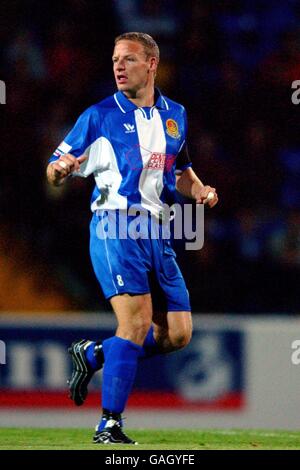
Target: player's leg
(121,353)
(119,268)
(134,316)
(172,331)
(169,332)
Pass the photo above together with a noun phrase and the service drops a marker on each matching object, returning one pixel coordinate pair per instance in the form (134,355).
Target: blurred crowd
(231,63)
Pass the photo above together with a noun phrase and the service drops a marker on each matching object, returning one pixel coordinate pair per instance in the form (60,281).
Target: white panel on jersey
(94,153)
(103,163)
(152,142)
(108,177)
(64,147)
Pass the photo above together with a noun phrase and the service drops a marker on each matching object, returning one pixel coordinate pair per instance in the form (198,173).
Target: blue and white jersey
(134,153)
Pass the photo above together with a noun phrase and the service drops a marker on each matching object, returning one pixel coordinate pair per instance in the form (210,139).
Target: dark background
(231,63)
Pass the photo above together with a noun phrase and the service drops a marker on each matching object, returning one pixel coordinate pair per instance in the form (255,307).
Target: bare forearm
(195,187)
(189,185)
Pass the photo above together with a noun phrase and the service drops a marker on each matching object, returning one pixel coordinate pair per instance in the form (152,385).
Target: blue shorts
(122,265)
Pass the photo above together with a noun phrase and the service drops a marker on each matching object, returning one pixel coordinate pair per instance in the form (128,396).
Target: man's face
(131,67)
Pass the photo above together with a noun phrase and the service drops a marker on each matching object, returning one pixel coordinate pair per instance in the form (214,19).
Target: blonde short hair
(150,46)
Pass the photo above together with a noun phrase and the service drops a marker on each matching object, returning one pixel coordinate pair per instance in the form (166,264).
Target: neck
(143,98)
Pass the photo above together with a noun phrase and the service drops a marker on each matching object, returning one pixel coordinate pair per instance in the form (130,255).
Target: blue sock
(101,425)
(150,346)
(92,359)
(121,357)
(105,417)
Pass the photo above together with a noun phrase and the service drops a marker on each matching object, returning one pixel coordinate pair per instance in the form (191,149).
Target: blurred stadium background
(232,64)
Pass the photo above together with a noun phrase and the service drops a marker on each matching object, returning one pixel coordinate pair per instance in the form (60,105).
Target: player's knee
(142,326)
(135,331)
(181,338)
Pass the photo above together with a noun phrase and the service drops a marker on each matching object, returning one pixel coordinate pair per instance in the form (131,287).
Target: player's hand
(59,170)
(206,195)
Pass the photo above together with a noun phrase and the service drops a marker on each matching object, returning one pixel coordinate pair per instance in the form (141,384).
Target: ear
(152,64)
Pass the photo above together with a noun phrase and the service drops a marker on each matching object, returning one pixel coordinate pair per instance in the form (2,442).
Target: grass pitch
(80,439)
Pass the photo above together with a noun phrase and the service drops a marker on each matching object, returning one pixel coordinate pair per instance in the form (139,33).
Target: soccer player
(134,143)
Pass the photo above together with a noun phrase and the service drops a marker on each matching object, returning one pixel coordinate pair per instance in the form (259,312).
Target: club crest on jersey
(172,128)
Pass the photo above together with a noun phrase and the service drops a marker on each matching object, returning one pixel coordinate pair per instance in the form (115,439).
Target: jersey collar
(126,105)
